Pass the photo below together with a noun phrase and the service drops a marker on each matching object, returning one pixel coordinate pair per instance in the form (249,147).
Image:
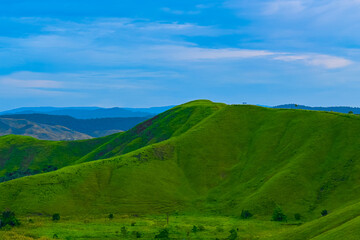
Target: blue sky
(153,53)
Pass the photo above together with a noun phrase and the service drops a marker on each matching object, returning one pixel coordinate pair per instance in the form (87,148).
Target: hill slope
(38,130)
(231,158)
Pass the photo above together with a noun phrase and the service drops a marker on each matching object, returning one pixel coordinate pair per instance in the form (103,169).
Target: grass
(179,227)
(206,159)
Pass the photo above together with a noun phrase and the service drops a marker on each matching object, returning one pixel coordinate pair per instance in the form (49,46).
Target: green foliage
(111,216)
(8,219)
(233,235)
(245,214)
(164,234)
(297,216)
(194,229)
(324,212)
(278,215)
(56,217)
(55,236)
(201,228)
(133,224)
(123,231)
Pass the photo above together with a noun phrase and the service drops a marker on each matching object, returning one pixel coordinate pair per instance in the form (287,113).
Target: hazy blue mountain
(93,127)
(340,109)
(39,131)
(90,112)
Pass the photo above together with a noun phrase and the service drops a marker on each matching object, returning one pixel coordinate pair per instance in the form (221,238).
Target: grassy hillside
(22,152)
(216,159)
(171,123)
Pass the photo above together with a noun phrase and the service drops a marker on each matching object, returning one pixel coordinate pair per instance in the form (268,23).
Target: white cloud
(19,83)
(319,60)
(284,6)
(179,12)
(197,53)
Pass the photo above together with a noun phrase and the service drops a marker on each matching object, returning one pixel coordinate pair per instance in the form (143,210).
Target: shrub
(111,216)
(324,212)
(8,218)
(164,234)
(233,235)
(55,236)
(194,229)
(56,217)
(297,216)
(133,224)
(201,228)
(219,229)
(278,215)
(137,234)
(245,214)
(123,231)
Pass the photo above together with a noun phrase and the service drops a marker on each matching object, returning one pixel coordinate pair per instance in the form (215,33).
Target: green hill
(212,158)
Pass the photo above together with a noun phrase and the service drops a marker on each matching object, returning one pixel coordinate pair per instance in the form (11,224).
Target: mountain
(91,127)
(90,112)
(40,131)
(355,110)
(202,157)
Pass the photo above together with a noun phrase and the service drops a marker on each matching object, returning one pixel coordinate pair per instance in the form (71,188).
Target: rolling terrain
(39,130)
(98,127)
(204,158)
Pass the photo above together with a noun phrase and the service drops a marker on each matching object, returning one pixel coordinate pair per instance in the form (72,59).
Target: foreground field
(144,227)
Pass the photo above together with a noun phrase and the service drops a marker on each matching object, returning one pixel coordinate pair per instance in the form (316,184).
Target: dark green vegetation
(205,159)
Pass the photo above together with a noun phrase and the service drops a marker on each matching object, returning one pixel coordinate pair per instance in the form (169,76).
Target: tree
(111,216)
(233,235)
(56,217)
(8,218)
(194,229)
(324,212)
(278,215)
(245,214)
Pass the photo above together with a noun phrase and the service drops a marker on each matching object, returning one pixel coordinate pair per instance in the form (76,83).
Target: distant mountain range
(72,123)
(90,112)
(89,127)
(340,109)
(39,131)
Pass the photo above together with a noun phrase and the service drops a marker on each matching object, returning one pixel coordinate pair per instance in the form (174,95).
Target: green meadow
(201,164)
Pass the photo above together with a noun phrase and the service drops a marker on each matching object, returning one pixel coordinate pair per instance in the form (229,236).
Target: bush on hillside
(111,216)
(278,215)
(245,214)
(297,216)
(233,235)
(123,231)
(164,234)
(8,219)
(194,229)
(324,212)
(56,217)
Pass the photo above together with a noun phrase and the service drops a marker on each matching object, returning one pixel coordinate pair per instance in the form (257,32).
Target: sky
(144,53)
